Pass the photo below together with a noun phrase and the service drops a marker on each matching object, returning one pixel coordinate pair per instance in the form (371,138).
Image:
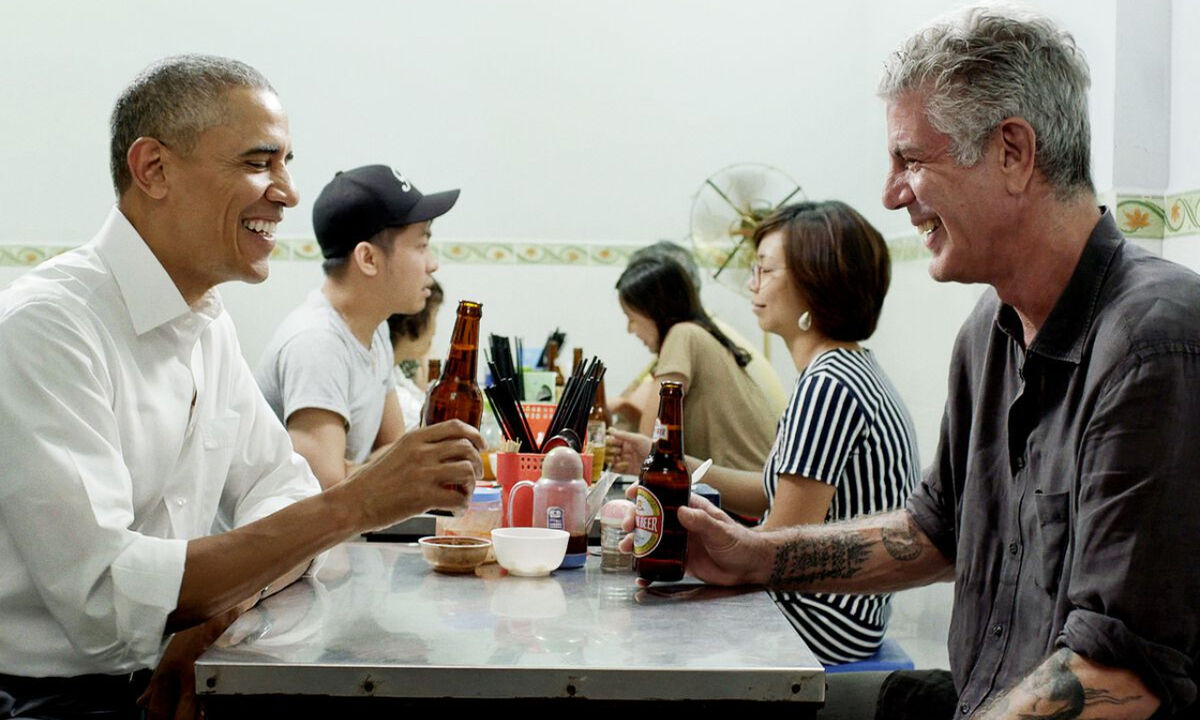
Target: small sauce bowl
(454,554)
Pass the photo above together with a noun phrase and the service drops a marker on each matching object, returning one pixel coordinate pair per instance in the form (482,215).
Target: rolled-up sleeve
(66,502)
(930,510)
(1134,581)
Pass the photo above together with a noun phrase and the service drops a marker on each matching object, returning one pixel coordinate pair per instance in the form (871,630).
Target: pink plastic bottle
(560,501)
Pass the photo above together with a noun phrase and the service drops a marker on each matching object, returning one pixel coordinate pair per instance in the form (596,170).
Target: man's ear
(145,159)
(1018,143)
(367,257)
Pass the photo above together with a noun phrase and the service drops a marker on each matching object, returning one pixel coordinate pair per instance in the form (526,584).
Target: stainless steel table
(377,631)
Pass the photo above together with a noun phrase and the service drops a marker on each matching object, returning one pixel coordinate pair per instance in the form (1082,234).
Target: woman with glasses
(732,396)
(845,445)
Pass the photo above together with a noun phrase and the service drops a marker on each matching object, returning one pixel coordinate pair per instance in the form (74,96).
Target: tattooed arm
(1068,686)
(875,553)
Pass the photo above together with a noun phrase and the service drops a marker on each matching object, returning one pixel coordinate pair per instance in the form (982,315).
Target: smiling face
(641,327)
(776,300)
(954,207)
(227,195)
(408,269)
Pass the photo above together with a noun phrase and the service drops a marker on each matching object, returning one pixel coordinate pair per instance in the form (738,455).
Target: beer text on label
(648,523)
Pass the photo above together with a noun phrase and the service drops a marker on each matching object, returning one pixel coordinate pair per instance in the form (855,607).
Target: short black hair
(838,261)
(175,100)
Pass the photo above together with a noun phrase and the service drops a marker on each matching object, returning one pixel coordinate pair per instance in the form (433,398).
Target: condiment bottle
(482,516)
(560,501)
(456,394)
(612,516)
(659,540)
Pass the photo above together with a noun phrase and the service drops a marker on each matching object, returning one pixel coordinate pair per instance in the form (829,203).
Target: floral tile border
(29,255)
(1156,217)
(1150,217)
(477,253)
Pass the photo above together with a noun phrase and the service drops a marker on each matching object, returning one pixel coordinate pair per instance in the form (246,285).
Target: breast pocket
(219,436)
(1053,536)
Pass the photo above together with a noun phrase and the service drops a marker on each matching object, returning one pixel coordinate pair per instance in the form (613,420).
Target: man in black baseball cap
(357,204)
(327,372)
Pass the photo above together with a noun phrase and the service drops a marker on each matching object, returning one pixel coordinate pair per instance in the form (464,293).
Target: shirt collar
(1065,332)
(151,297)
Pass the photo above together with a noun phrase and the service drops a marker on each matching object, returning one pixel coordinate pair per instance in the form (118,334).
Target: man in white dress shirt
(131,427)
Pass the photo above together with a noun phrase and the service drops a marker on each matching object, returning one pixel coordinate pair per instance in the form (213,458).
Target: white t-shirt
(314,361)
(129,424)
(411,398)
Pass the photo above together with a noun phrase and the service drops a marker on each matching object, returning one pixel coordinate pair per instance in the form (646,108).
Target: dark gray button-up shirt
(1066,487)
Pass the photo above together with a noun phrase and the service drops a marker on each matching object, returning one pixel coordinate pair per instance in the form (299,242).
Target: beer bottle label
(660,431)
(648,524)
(554,518)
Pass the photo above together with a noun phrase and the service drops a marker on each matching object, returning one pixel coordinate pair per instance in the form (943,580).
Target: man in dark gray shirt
(1061,497)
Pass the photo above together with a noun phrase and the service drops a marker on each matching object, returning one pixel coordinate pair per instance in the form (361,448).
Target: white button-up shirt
(129,424)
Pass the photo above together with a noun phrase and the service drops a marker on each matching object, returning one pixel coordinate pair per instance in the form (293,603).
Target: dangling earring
(805,321)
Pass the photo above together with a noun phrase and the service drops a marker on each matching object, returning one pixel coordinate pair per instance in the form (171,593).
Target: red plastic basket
(539,416)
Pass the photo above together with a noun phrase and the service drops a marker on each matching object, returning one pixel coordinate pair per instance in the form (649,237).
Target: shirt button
(997,630)
(1013,548)
(181,501)
(1020,462)
(964,708)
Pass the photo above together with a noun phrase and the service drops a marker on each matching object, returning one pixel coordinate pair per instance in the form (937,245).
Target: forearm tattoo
(1058,693)
(807,560)
(902,543)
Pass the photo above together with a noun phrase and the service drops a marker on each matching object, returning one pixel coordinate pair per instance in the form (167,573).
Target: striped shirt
(845,425)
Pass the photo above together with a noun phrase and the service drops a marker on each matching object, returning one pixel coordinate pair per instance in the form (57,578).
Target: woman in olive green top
(732,396)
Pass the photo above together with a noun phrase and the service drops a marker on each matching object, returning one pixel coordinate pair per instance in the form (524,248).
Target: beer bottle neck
(668,430)
(464,349)
(599,409)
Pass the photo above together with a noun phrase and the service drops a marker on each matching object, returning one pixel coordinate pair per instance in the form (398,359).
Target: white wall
(1185,119)
(1185,101)
(561,122)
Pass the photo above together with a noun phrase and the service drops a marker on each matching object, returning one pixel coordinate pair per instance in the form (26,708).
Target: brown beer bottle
(597,431)
(659,541)
(552,364)
(456,395)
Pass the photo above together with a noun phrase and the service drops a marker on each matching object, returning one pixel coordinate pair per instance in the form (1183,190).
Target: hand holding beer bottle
(660,542)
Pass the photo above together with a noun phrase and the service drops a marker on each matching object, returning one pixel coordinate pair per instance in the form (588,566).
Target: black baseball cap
(358,203)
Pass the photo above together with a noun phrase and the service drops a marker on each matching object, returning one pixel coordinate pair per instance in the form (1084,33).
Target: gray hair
(175,100)
(988,64)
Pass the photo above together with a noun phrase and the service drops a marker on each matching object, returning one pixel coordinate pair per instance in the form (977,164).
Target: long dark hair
(661,289)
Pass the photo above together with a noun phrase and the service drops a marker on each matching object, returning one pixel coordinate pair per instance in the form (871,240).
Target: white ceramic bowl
(529,552)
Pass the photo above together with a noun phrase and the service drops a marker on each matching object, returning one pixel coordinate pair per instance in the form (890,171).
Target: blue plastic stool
(890,657)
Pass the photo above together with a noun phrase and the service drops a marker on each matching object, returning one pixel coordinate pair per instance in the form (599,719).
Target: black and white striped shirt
(845,425)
